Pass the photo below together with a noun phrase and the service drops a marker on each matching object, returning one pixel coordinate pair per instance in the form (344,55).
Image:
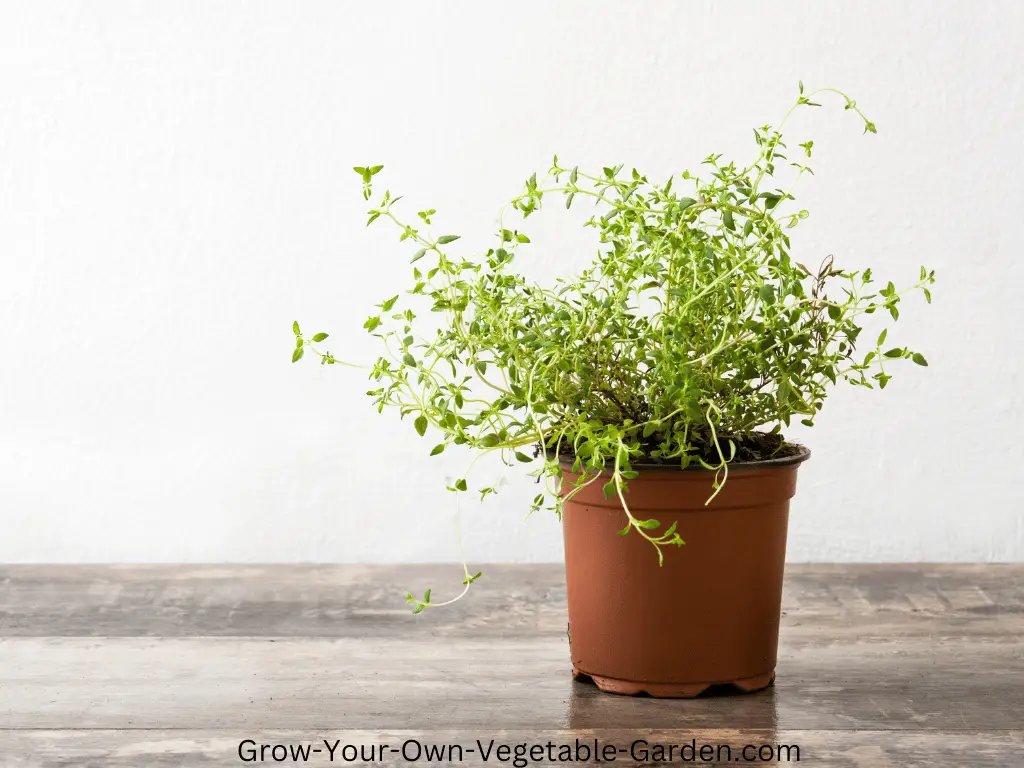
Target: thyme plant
(692,338)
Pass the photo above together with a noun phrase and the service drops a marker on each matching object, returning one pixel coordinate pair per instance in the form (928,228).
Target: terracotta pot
(710,614)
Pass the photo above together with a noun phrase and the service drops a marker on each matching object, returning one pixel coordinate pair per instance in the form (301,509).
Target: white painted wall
(175,190)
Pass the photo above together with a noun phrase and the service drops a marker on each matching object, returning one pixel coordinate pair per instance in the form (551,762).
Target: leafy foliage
(691,339)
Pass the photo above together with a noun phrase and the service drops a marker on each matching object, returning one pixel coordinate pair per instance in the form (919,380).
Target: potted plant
(649,391)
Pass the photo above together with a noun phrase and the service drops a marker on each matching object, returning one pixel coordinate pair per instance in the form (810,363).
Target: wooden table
(177,665)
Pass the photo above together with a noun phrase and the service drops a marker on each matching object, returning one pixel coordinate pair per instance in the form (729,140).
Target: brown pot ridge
(710,614)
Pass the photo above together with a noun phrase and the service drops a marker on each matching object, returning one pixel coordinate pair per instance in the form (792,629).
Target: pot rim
(782,461)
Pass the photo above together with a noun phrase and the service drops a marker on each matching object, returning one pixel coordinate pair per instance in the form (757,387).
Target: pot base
(671,690)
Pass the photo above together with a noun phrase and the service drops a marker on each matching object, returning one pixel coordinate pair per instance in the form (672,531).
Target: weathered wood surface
(175,665)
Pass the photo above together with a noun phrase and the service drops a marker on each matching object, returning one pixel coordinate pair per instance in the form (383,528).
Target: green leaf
(625,530)
(426,597)
(685,202)
(727,220)
(648,524)
(409,360)
(295,328)
(461,484)
(523,457)
(421,424)
(297,354)
(521,238)
(894,352)
(881,337)
(489,441)
(319,336)
(418,255)
(389,303)
(437,449)
(918,358)
(766,294)
(445,239)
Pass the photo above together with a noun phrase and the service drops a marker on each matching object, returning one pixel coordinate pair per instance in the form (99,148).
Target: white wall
(175,189)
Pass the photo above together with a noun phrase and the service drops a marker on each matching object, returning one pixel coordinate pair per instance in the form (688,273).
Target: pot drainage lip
(677,690)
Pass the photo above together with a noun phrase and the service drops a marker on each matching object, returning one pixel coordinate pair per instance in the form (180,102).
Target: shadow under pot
(709,616)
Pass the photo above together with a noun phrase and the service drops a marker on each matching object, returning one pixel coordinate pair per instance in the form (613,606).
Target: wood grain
(519,600)
(174,665)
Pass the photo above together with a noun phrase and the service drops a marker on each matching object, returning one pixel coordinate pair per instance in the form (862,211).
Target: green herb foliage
(691,336)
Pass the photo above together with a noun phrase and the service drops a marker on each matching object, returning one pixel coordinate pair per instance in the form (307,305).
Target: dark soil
(750,446)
